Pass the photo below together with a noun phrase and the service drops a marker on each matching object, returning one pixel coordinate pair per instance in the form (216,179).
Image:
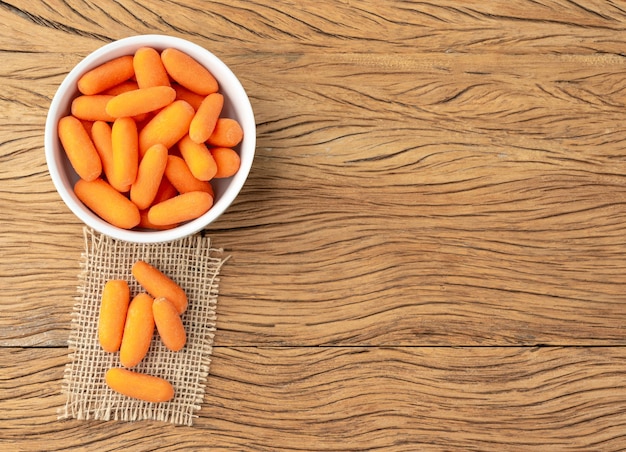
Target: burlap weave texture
(195,266)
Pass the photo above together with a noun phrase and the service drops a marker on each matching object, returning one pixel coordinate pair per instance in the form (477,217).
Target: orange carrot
(144,222)
(145,119)
(79,148)
(203,122)
(175,150)
(113,307)
(138,330)
(101,136)
(227,160)
(167,127)
(149,68)
(124,143)
(179,175)
(166,191)
(148,388)
(149,175)
(140,101)
(192,98)
(198,158)
(107,75)
(87,125)
(181,208)
(92,108)
(128,85)
(169,324)
(107,203)
(159,285)
(188,72)
(140,119)
(226,134)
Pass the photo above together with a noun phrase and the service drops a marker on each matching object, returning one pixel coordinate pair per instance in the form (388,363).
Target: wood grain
(432,190)
(351,398)
(429,251)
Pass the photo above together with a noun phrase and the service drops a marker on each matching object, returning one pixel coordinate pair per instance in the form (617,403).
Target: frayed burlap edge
(195,266)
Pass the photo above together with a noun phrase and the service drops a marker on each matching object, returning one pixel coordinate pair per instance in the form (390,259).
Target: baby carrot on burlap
(198,158)
(180,176)
(139,386)
(149,69)
(107,75)
(227,160)
(149,175)
(140,101)
(181,208)
(227,133)
(101,136)
(92,108)
(124,142)
(167,127)
(169,324)
(138,330)
(107,203)
(185,70)
(203,122)
(159,285)
(79,148)
(112,317)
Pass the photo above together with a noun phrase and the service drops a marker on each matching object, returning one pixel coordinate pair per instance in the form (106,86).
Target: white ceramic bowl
(236,106)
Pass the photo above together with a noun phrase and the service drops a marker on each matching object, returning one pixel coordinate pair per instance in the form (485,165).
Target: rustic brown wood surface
(429,253)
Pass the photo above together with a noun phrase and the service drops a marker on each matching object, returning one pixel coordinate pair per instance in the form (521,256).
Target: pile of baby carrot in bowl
(146,137)
(127,325)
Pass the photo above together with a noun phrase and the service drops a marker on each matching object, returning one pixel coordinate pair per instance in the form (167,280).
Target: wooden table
(429,253)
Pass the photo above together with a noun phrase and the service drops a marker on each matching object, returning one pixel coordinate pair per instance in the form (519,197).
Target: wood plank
(520,27)
(351,398)
(465,187)
(523,229)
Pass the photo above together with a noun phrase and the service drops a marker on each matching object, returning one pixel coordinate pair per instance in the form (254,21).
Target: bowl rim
(58,104)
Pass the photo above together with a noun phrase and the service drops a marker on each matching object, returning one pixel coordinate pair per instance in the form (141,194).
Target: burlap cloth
(195,266)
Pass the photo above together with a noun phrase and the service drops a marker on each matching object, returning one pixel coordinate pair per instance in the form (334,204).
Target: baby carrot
(181,208)
(198,158)
(167,127)
(179,175)
(144,222)
(107,203)
(113,307)
(149,69)
(87,125)
(124,143)
(138,330)
(188,72)
(148,388)
(159,285)
(79,148)
(107,75)
(140,101)
(166,191)
(184,94)
(101,136)
(227,160)
(203,122)
(169,324)
(92,108)
(123,87)
(149,175)
(227,133)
